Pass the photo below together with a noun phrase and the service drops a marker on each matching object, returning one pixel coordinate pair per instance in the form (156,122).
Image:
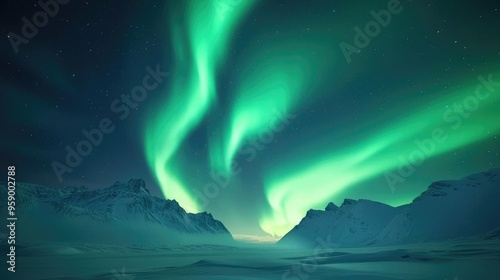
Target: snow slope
(351,224)
(449,210)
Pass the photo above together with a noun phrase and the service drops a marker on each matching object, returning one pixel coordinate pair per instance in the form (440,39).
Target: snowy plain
(460,259)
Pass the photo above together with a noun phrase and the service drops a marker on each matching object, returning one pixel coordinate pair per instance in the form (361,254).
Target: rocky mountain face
(124,213)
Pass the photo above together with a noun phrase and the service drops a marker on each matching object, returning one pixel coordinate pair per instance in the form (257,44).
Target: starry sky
(255,111)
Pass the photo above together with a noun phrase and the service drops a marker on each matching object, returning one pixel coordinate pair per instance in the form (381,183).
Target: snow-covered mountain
(353,223)
(446,210)
(125,213)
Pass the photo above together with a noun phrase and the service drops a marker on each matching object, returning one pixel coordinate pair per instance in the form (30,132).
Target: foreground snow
(473,259)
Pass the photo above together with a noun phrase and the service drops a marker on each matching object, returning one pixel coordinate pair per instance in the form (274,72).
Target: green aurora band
(275,79)
(315,181)
(199,42)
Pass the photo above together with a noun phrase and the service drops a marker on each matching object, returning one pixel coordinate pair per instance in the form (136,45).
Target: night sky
(303,102)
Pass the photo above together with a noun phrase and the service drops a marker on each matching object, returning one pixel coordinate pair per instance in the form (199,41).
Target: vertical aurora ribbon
(200,36)
(276,77)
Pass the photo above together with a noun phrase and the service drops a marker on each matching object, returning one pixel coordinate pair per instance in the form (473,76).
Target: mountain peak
(348,201)
(312,213)
(133,185)
(444,188)
(137,186)
(331,207)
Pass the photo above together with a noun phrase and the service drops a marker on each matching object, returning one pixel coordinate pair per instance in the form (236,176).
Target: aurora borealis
(208,26)
(264,88)
(281,77)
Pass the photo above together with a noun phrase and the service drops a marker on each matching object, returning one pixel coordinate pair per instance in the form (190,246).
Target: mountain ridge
(120,207)
(431,216)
